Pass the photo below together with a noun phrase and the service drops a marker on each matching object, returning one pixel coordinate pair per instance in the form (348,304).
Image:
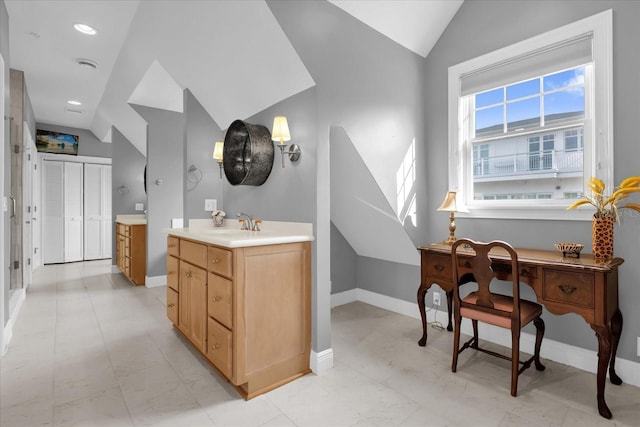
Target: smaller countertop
(230,235)
(131,219)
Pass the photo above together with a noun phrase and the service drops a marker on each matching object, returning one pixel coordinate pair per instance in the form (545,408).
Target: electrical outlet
(210,205)
(436,298)
(139,206)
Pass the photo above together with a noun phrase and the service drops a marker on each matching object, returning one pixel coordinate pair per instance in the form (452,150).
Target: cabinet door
(220,299)
(73,218)
(192,306)
(220,347)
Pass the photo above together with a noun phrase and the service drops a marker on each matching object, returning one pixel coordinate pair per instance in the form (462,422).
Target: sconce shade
(449,203)
(280,131)
(217,151)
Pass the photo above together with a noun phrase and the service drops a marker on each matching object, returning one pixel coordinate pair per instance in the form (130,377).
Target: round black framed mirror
(247,154)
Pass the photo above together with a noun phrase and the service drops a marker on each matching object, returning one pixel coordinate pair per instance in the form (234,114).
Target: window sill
(553,213)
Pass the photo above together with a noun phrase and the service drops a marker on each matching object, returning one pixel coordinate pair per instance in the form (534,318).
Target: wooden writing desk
(563,285)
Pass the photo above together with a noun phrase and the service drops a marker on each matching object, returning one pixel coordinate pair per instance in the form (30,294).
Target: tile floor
(91,350)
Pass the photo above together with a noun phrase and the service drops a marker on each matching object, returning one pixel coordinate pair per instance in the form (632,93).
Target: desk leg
(450,310)
(422,292)
(604,354)
(616,331)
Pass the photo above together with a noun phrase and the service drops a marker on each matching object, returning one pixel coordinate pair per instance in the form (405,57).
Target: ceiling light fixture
(69,110)
(85,29)
(73,102)
(87,63)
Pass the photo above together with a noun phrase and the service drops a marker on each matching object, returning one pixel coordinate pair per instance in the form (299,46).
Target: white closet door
(73,220)
(53,212)
(93,234)
(106,211)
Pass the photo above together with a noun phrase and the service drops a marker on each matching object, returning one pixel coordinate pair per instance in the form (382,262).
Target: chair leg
(515,360)
(475,334)
(539,324)
(456,342)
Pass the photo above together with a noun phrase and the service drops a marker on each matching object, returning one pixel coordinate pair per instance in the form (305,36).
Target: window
(522,122)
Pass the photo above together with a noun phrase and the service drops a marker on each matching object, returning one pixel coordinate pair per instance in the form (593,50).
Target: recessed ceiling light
(86,63)
(85,29)
(72,102)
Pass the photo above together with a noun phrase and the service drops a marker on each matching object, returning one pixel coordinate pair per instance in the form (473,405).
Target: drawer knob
(467,264)
(171,272)
(171,305)
(525,273)
(438,267)
(216,299)
(215,261)
(188,274)
(172,246)
(215,347)
(567,289)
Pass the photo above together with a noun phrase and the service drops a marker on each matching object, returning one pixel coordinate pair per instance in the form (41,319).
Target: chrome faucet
(249,224)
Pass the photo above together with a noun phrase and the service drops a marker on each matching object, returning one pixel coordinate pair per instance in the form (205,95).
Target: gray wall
(201,133)
(483,26)
(5,181)
(88,144)
(344,263)
(127,168)
(165,162)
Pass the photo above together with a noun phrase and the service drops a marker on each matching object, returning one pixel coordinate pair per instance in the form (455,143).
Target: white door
(106,211)
(73,218)
(53,211)
(92,211)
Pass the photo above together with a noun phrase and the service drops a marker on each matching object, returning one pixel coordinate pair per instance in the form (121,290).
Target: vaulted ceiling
(232,55)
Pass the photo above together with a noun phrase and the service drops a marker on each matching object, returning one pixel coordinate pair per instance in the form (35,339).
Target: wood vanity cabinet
(131,251)
(247,310)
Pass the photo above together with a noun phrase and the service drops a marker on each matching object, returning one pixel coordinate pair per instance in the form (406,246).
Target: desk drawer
(568,287)
(439,267)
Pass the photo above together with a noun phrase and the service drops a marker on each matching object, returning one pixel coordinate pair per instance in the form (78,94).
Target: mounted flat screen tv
(56,142)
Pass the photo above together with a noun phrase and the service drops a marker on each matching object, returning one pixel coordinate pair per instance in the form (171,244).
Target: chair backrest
(468,253)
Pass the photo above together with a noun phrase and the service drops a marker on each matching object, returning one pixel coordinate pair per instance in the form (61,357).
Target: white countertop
(230,235)
(133,219)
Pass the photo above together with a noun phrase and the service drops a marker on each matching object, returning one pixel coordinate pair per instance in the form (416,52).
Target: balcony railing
(527,163)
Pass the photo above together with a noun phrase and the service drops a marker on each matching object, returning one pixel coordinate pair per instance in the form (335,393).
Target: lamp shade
(449,203)
(280,131)
(217,151)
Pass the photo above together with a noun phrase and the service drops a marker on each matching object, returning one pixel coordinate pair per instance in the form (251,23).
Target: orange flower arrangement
(608,206)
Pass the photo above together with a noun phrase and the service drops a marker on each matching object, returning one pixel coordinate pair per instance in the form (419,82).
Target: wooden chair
(484,306)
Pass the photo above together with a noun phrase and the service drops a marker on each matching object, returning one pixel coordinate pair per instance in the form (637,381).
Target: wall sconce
(217,155)
(280,134)
(449,205)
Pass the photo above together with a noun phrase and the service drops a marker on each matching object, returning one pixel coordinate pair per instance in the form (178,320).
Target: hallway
(89,349)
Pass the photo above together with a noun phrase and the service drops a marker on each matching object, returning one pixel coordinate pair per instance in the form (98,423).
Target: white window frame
(598,153)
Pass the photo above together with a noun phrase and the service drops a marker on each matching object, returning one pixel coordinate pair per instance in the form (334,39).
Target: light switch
(210,205)
(139,206)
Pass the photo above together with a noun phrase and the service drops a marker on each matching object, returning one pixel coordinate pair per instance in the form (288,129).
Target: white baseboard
(15,305)
(321,362)
(155,281)
(115,269)
(577,357)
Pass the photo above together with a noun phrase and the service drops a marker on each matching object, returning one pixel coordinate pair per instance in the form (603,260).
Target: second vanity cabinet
(131,251)
(247,309)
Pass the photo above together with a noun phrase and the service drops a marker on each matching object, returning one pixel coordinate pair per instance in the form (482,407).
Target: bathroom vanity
(131,247)
(243,299)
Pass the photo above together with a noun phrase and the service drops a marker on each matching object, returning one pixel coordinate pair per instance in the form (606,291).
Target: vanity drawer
(172,305)
(220,296)
(220,261)
(439,267)
(220,347)
(194,253)
(568,287)
(173,247)
(173,272)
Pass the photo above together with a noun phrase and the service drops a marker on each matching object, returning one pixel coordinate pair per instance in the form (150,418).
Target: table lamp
(449,205)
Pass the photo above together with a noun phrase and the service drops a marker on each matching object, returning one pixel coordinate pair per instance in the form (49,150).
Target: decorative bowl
(568,248)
